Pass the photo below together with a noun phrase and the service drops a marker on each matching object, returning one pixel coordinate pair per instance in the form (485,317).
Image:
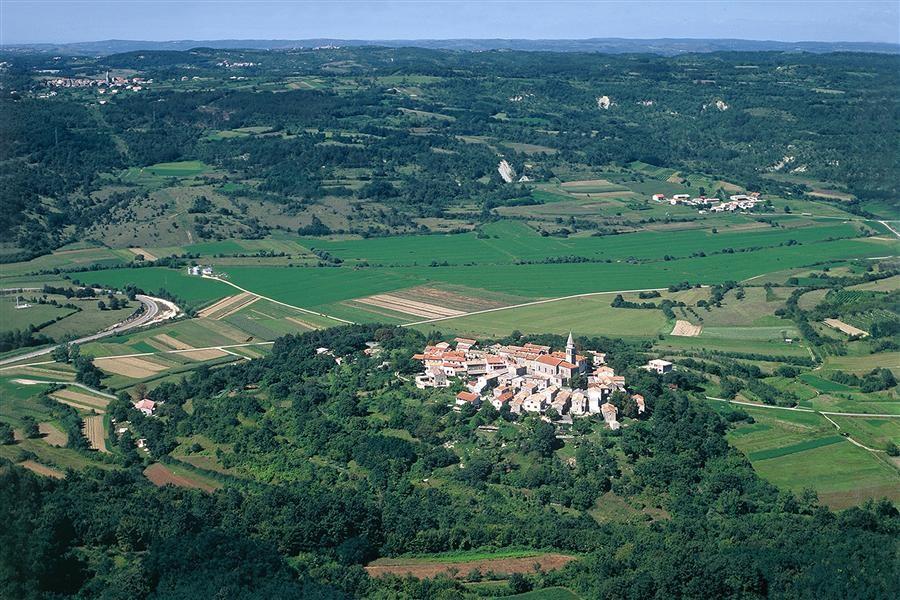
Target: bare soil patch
(95,432)
(408,306)
(501,566)
(141,251)
(845,327)
(42,469)
(846,499)
(52,435)
(161,475)
(204,354)
(686,329)
(171,342)
(463,300)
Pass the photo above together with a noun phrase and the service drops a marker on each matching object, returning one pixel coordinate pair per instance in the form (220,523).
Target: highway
(155,311)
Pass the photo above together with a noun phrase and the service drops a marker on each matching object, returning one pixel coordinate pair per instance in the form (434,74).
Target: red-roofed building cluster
(530,378)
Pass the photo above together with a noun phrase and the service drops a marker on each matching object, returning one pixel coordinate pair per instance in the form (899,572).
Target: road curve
(150,314)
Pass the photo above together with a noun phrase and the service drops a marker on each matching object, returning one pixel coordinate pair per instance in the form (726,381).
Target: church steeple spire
(570,349)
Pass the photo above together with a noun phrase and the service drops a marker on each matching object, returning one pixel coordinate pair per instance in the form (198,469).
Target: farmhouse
(530,378)
(658,366)
(146,406)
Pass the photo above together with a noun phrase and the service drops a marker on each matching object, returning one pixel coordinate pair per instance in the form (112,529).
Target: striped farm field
(228,306)
(800,447)
(135,367)
(81,400)
(95,432)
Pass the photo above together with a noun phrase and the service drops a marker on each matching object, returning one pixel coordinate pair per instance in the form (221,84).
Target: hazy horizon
(58,21)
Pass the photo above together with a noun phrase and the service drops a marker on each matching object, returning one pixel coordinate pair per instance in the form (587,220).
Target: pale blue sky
(23,21)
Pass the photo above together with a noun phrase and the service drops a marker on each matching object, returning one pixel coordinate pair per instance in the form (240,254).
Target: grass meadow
(798,450)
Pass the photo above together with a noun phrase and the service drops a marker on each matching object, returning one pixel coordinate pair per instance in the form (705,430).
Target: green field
(791,449)
(36,314)
(588,316)
(18,400)
(194,290)
(509,241)
(314,287)
(64,259)
(797,450)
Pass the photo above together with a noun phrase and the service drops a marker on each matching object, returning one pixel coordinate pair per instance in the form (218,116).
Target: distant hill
(664,46)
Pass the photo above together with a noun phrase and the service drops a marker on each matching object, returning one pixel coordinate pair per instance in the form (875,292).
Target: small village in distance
(558,385)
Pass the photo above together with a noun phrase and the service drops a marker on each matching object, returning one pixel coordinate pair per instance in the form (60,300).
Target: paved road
(81,385)
(150,313)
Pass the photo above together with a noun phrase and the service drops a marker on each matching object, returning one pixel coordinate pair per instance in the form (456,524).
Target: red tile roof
(467,396)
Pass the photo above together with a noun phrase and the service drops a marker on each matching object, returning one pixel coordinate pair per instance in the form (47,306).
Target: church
(560,365)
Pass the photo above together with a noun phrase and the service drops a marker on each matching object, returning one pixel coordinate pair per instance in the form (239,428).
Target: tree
(518,584)
(61,353)
(542,438)
(101,305)
(7,436)
(30,427)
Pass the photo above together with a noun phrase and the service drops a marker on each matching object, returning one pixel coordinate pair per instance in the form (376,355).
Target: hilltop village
(559,385)
(735,202)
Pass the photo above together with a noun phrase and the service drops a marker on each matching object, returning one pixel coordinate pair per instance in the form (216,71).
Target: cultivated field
(796,450)
(160,475)
(686,329)
(591,315)
(425,568)
(134,367)
(81,400)
(845,327)
(51,434)
(228,306)
(95,432)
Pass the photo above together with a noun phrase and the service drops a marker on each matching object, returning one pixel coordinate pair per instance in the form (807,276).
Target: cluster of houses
(529,379)
(200,270)
(735,202)
(108,82)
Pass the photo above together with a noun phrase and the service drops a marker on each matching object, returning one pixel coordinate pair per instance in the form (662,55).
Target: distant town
(714,205)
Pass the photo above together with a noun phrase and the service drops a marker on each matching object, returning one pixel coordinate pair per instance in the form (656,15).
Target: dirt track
(500,566)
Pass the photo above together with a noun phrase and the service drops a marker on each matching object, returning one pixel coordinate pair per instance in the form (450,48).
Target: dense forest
(328,468)
(413,125)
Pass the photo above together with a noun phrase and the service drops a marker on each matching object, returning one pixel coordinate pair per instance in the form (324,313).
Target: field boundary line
(824,413)
(66,383)
(532,303)
(306,310)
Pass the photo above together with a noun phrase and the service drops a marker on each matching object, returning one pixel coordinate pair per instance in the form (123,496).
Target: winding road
(155,310)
